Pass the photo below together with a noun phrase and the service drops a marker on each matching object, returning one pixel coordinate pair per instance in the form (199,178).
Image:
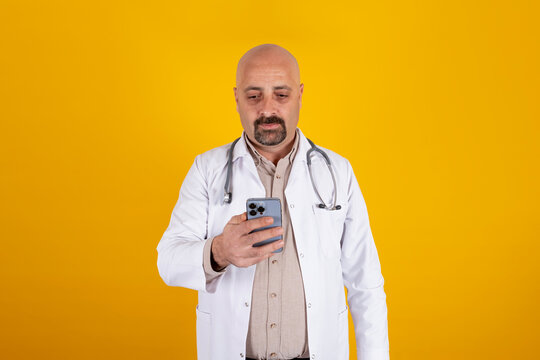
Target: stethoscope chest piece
(322,204)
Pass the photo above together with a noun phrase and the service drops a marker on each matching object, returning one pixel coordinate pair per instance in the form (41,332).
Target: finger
(277,245)
(259,259)
(237,219)
(262,251)
(253,224)
(262,235)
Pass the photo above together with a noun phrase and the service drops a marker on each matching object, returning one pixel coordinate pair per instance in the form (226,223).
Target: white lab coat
(335,249)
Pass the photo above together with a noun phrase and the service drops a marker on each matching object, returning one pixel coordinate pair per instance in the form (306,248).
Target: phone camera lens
(260,209)
(252,206)
(252,213)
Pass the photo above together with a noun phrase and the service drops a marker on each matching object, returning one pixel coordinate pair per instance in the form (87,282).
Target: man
(254,303)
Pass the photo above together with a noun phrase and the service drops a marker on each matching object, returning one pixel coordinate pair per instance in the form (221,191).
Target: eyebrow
(280,87)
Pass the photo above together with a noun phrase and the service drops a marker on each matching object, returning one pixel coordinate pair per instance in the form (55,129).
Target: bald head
(265,56)
(268,97)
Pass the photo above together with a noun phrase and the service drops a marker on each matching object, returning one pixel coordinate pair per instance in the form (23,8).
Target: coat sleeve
(180,250)
(363,278)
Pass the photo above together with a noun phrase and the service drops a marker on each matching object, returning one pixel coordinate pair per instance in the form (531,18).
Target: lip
(270,126)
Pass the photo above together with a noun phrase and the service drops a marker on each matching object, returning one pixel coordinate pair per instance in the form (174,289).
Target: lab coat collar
(241,150)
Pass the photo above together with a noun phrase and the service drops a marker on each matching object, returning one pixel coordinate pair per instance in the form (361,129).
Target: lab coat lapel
(299,194)
(247,183)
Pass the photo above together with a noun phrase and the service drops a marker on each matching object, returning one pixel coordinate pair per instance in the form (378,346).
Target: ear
(236,97)
(301,92)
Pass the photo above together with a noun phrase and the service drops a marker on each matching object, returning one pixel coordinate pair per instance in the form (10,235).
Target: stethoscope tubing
(227,198)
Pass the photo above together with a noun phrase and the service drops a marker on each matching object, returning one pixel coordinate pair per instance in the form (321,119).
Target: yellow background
(104,105)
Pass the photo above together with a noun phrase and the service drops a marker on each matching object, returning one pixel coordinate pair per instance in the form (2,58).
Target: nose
(267,107)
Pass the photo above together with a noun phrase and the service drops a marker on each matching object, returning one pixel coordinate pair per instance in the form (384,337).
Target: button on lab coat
(335,249)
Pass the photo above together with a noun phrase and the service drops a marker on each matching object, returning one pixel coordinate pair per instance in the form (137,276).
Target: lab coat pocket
(343,333)
(330,224)
(204,321)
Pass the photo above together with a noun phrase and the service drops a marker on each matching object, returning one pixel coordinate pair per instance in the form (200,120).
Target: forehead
(265,73)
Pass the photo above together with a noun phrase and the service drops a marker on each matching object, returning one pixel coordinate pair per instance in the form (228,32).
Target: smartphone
(260,207)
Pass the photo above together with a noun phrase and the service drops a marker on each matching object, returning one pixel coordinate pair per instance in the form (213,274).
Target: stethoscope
(227,198)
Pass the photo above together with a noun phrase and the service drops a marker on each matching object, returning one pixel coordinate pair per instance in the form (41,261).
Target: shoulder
(339,161)
(213,159)
(343,170)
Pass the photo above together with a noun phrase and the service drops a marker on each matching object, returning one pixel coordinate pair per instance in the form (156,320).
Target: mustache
(274,119)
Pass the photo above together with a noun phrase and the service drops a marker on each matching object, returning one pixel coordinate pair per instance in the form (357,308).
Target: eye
(282,95)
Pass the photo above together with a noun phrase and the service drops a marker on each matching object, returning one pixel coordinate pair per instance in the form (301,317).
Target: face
(268,100)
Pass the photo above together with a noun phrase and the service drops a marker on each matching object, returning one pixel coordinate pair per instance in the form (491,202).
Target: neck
(276,152)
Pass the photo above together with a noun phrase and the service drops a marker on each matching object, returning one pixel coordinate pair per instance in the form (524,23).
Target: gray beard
(270,137)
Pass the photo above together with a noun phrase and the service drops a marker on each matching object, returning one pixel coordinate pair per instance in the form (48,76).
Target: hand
(235,244)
